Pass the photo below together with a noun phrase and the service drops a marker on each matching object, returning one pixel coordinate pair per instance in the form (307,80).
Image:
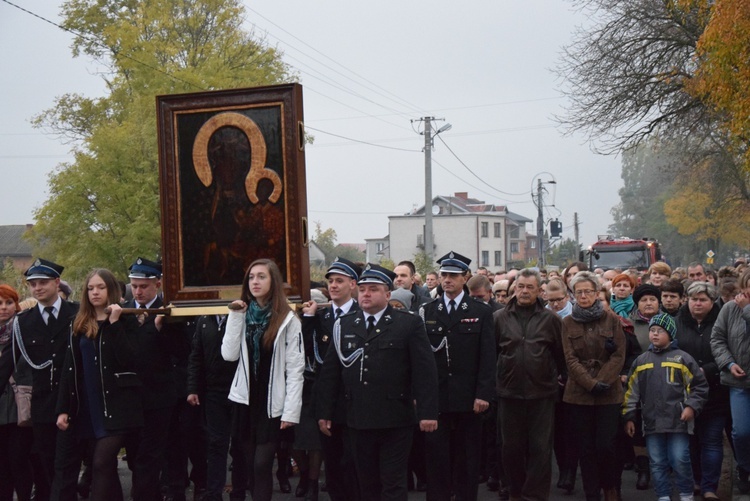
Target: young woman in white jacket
(265,335)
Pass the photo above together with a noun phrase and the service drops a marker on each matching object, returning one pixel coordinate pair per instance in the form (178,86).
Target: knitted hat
(403,296)
(646,290)
(666,322)
(624,277)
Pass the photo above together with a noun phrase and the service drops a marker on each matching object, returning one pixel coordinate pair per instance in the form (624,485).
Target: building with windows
(489,234)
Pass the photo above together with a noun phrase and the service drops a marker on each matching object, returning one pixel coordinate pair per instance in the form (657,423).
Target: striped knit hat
(666,322)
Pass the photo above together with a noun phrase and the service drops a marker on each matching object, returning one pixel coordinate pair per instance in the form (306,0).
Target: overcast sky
(367,69)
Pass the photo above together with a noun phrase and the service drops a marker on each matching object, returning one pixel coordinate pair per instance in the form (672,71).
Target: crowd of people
(383,383)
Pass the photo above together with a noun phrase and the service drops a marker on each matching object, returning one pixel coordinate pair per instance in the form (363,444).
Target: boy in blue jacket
(671,389)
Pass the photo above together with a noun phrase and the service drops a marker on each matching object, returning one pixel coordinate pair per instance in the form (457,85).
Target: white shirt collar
(457,300)
(344,307)
(376,315)
(57,304)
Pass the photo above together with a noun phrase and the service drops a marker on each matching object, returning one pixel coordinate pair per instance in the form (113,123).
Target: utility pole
(540,222)
(428,245)
(575,232)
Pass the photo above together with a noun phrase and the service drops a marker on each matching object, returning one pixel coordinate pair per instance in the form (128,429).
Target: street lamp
(428,244)
(540,214)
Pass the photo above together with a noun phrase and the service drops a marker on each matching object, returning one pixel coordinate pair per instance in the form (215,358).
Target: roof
(12,243)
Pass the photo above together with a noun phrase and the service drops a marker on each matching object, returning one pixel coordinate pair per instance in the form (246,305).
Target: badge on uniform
(469,320)
(464,306)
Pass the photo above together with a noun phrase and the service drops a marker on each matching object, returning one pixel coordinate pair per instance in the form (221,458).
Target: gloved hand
(610,345)
(599,388)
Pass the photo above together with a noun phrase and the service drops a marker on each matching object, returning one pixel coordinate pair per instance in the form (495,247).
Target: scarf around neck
(5,331)
(256,320)
(586,315)
(623,307)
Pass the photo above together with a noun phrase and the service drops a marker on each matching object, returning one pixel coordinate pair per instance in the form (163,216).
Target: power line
(397,98)
(104,46)
(361,141)
(475,175)
(507,202)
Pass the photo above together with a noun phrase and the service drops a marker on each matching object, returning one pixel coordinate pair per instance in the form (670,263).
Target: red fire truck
(622,253)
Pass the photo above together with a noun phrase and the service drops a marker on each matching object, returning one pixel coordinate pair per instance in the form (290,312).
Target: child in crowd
(671,389)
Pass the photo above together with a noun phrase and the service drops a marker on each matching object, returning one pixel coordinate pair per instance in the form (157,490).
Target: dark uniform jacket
(464,348)
(42,343)
(207,370)
(530,353)
(154,363)
(396,367)
(115,362)
(317,335)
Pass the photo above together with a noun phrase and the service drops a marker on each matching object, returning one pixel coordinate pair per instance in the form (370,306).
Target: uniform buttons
(54,355)
(366,369)
(367,356)
(450,373)
(367,344)
(365,382)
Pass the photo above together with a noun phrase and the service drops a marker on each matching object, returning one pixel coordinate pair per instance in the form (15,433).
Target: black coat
(464,348)
(121,386)
(317,335)
(396,368)
(154,362)
(207,370)
(42,343)
(695,340)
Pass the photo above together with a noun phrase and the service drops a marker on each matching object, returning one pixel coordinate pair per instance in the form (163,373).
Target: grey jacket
(730,343)
(664,383)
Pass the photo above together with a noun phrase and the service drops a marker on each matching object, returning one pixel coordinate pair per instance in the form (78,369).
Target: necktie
(339,311)
(142,306)
(50,314)
(370,324)
(451,307)
(142,317)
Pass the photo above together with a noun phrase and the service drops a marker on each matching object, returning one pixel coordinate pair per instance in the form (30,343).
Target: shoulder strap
(18,339)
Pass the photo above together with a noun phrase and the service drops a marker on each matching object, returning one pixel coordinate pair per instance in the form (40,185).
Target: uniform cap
(376,274)
(143,268)
(341,266)
(454,263)
(43,269)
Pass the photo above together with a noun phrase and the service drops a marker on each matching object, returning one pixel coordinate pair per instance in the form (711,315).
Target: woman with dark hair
(99,397)
(15,441)
(265,335)
(695,321)
(594,346)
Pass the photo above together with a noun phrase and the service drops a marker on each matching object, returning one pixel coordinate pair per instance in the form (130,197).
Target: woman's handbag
(23,402)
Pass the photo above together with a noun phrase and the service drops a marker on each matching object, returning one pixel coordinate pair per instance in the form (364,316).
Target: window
(379,246)
(485,257)
(514,232)
(485,230)
(498,258)
(514,247)
(533,244)
(498,228)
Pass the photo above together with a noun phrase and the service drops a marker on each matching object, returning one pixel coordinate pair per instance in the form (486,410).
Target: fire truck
(622,253)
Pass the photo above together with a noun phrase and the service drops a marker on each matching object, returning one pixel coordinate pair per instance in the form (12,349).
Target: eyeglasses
(555,301)
(584,293)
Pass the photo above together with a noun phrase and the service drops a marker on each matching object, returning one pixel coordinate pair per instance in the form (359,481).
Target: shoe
(743,482)
(493,484)
(312,491)
(567,480)
(284,485)
(710,495)
(644,473)
(301,489)
(686,497)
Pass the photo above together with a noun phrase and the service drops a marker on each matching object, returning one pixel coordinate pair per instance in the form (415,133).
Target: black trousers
(453,457)
(341,474)
(15,462)
(187,441)
(526,429)
(596,431)
(146,450)
(381,457)
(69,451)
(45,440)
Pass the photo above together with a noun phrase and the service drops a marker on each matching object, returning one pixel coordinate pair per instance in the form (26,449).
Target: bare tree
(625,74)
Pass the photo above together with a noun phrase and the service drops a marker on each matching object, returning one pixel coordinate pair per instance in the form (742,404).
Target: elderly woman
(594,346)
(694,325)
(15,441)
(730,345)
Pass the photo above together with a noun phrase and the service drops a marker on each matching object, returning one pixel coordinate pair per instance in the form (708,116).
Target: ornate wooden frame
(232,187)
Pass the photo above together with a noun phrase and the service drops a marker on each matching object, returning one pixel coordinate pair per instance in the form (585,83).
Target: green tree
(103,208)
(423,264)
